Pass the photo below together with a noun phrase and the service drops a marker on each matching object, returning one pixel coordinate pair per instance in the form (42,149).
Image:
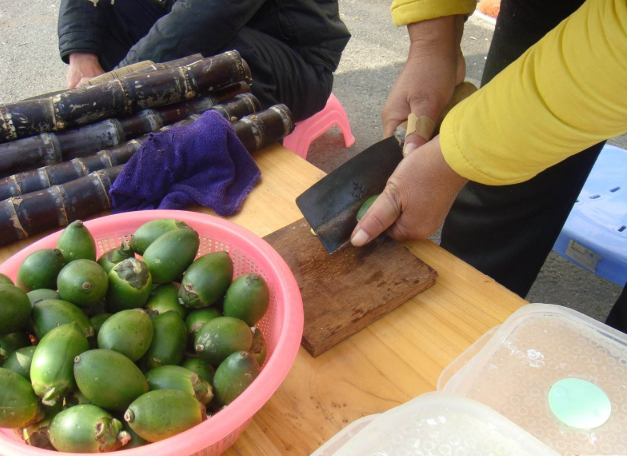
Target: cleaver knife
(331,204)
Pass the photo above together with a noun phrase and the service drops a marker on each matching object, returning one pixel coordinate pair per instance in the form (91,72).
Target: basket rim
(230,419)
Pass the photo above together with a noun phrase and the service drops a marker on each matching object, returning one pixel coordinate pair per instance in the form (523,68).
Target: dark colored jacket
(311,27)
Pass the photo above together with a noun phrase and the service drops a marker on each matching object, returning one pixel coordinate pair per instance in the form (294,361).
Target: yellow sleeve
(565,94)
(409,11)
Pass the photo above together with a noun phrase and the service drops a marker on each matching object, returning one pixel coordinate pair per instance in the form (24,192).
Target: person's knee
(316,94)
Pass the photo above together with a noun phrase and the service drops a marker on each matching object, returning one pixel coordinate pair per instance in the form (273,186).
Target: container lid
(556,373)
(435,424)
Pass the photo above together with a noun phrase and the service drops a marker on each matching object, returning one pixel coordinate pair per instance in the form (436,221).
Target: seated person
(292,48)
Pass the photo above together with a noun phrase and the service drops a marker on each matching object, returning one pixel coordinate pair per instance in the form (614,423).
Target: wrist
(441,30)
(83,57)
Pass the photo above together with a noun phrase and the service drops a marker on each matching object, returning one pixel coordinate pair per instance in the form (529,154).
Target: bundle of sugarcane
(240,106)
(49,148)
(35,212)
(123,96)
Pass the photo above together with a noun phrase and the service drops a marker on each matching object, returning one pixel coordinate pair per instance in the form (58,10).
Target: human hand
(416,199)
(83,67)
(435,65)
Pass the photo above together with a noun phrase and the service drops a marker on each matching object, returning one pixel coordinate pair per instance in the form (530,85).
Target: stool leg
(341,119)
(345,128)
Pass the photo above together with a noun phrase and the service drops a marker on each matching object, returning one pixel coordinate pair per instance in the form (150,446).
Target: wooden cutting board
(346,291)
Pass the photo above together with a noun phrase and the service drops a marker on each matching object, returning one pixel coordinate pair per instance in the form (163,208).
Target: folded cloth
(203,163)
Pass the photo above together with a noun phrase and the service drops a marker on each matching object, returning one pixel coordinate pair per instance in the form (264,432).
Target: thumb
(412,142)
(420,128)
(381,215)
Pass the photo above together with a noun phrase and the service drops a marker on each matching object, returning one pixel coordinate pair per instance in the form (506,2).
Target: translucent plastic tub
(513,368)
(282,325)
(435,424)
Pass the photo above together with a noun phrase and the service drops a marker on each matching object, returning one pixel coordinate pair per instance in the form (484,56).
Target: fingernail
(409,148)
(360,238)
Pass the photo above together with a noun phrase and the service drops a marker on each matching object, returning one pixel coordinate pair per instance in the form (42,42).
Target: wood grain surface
(346,291)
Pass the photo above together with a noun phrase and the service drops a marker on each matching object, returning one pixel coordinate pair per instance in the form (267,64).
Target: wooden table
(384,365)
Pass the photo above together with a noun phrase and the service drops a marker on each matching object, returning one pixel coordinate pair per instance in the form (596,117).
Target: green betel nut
(40,270)
(109,379)
(87,428)
(41,294)
(11,342)
(37,434)
(151,231)
(197,318)
(51,313)
(76,243)
(112,257)
(14,309)
(82,282)
(51,370)
(233,376)
(160,414)
(130,283)
(128,332)
(19,361)
(5,280)
(220,337)
(247,299)
(164,299)
(98,320)
(364,207)
(18,404)
(168,341)
(182,379)
(206,280)
(171,254)
(201,367)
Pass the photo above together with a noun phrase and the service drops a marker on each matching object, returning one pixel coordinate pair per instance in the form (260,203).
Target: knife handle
(462,91)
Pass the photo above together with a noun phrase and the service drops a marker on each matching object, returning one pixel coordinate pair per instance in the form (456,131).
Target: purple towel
(203,163)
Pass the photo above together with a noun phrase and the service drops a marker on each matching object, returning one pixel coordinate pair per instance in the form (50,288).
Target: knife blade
(331,204)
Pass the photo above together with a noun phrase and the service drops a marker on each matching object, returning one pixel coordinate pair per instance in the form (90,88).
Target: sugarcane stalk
(23,216)
(50,148)
(129,94)
(146,66)
(30,181)
(263,128)
(35,212)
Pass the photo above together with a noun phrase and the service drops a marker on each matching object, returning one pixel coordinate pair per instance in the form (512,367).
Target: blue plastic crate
(595,234)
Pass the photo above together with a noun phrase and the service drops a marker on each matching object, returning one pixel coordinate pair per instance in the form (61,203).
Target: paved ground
(29,65)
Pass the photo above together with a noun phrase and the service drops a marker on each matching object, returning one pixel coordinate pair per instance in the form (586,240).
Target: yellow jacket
(563,95)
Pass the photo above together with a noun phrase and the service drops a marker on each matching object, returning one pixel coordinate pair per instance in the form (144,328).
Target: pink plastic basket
(282,326)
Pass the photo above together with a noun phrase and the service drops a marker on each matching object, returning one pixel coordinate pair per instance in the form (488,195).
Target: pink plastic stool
(309,129)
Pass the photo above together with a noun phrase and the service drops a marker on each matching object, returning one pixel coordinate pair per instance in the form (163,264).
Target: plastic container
(282,326)
(435,424)
(513,368)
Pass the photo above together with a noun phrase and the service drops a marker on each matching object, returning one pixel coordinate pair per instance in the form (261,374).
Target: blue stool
(595,234)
